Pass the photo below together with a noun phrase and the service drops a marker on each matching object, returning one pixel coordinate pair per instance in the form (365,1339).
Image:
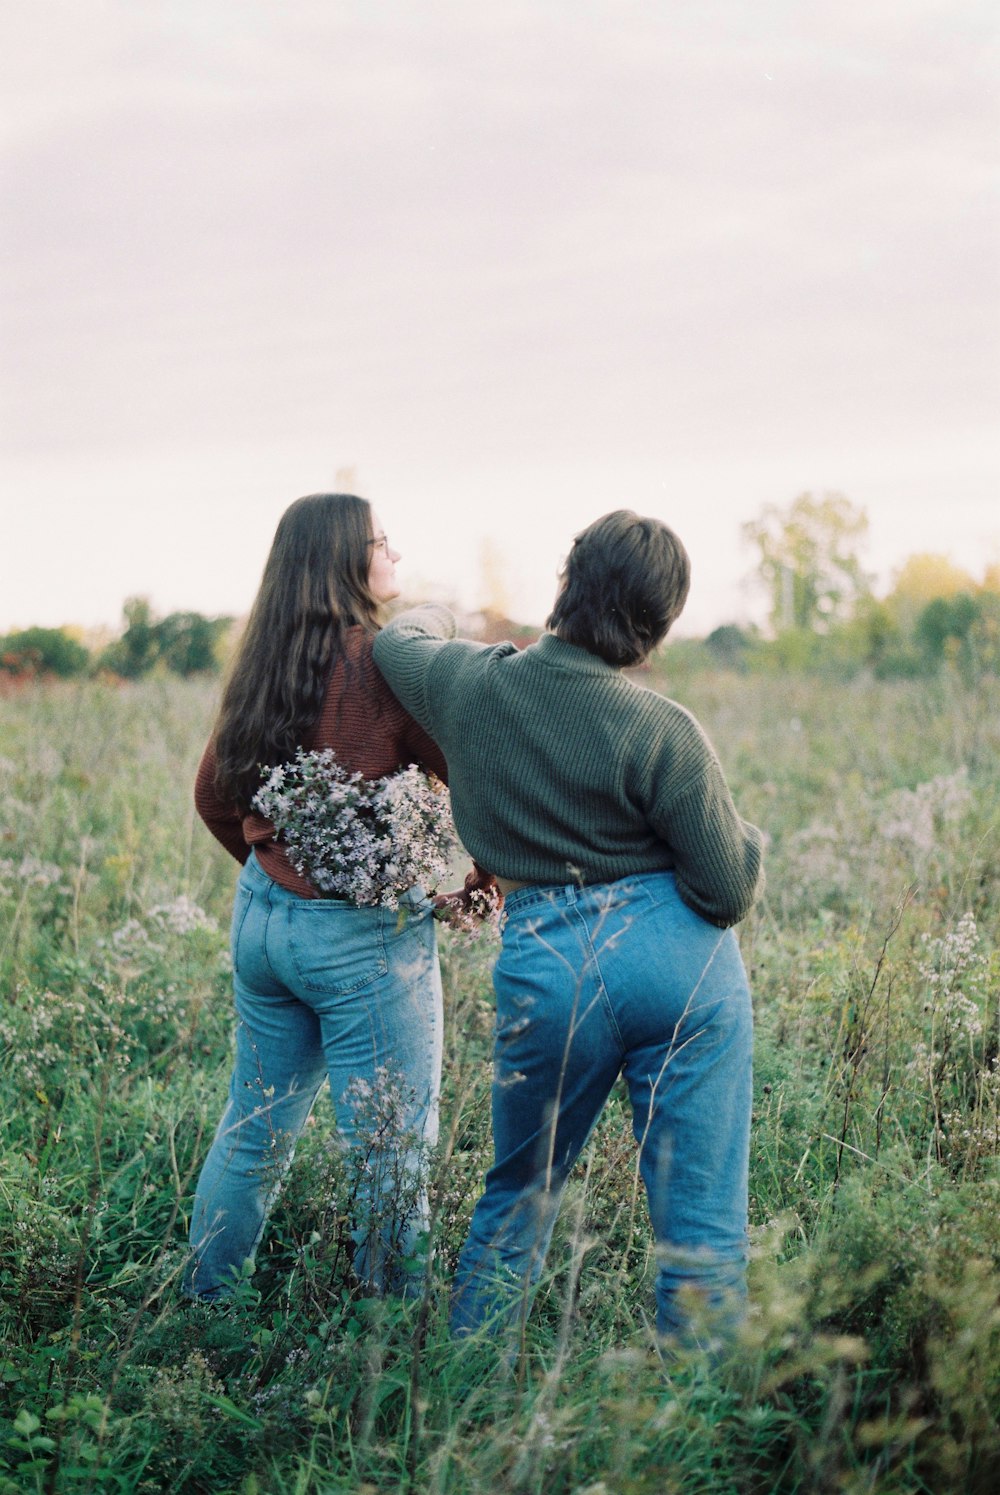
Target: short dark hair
(624,583)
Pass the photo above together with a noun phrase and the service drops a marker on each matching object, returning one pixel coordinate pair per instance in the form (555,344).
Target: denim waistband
(262,882)
(564,895)
(254,873)
(415,898)
(252,868)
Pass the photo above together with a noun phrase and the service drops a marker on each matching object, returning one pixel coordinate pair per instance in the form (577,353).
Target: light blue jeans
(593,982)
(325,989)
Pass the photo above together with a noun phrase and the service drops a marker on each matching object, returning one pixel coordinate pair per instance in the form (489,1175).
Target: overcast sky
(510,264)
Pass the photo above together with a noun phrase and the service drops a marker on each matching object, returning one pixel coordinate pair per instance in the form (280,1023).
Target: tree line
(823,614)
(182,643)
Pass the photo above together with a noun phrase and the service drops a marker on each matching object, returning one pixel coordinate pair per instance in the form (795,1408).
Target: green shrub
(43,651)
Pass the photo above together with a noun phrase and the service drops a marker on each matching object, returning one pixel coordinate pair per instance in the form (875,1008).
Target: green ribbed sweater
(562,769)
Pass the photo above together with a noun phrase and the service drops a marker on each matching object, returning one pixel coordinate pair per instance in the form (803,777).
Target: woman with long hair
(323,988)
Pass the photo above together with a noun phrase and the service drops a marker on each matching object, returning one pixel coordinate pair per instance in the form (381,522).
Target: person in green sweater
(603,810)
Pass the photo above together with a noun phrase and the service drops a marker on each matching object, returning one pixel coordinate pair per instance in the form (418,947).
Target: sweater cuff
(429,620)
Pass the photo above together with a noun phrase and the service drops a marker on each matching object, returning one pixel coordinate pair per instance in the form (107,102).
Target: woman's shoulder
(357,705)
(355,665)
(357,642)
(362,679)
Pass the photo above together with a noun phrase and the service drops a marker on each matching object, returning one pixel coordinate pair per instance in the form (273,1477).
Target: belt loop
(570,893)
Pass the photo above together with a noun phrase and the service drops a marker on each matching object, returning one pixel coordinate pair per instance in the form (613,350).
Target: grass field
(871,1361)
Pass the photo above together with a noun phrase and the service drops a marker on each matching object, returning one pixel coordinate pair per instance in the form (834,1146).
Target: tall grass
(872,1357)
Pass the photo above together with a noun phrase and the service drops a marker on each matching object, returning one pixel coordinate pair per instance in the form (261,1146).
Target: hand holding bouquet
(476,904)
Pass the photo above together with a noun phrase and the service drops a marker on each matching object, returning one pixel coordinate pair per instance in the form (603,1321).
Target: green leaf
(235,1413)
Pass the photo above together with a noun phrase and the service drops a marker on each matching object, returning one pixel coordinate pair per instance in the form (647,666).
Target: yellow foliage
(991,577)
(924,577)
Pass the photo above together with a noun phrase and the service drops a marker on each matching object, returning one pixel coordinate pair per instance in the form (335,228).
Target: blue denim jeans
(325,989)
(593,982)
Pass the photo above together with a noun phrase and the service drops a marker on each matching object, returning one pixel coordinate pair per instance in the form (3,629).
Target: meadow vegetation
(871,1361)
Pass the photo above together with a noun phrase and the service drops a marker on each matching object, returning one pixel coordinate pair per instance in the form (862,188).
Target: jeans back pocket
(335,947)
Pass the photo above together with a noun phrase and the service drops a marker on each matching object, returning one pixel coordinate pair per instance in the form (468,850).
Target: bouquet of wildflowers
(365,840)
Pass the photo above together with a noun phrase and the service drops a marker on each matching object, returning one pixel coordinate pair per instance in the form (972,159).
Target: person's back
(563,768)
(602,809)
(323,989)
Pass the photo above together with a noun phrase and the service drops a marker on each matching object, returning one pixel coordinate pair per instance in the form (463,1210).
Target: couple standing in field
(602,813)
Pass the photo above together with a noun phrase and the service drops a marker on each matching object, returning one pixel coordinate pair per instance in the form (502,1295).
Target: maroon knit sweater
(366,727)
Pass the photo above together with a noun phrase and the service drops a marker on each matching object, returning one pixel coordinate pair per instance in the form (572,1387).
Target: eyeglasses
(380,542)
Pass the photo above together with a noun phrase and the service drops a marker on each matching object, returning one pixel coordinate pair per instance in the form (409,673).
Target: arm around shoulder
(431,620)
(407,647)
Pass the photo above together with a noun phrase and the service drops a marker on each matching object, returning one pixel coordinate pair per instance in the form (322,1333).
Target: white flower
(915,816)
(181,916)
(364,840)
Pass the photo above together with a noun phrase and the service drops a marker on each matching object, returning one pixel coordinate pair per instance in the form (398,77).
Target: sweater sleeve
(224,821)
(405,652)
(719,856)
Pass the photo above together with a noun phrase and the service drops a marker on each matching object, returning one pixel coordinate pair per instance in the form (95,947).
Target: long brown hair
(314,586)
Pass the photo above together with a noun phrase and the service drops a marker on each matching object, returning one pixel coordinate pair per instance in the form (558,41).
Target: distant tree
(963,631)
(42,651)
(184,643)
(135,652)
(873,633)
(188,642)
(924,576)
(728,645)
(938,613)
(809,560)
(984,638)
(947,622)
